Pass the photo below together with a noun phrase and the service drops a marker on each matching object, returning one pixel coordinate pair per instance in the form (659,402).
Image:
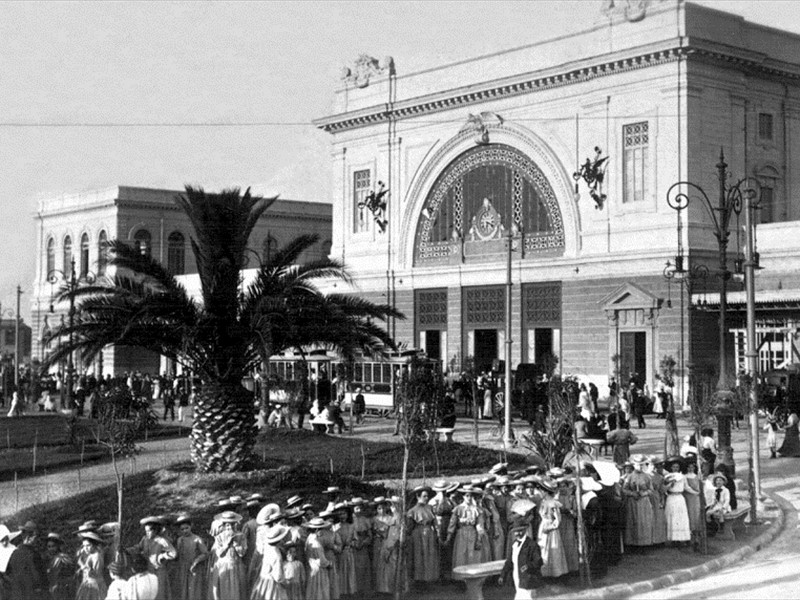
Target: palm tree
(234,329)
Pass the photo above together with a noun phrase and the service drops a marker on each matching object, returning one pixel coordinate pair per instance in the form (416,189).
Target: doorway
(485,349)
(633,355)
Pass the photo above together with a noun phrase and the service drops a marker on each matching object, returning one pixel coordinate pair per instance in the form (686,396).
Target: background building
(474,150)
(78,227)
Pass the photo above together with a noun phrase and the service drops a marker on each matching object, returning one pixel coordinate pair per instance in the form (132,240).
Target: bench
(475,575)
(733,519)
(447,431)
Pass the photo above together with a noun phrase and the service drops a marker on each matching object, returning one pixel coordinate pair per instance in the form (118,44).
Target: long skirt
(346,568)
(464,552)
(569,540)
(363,570)
(319,585)
(424,554)
(659,520)
(554,562)
(638,522)
(678,526)
(228,579)
(91,588)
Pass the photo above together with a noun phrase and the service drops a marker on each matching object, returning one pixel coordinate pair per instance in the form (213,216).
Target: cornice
(569,74)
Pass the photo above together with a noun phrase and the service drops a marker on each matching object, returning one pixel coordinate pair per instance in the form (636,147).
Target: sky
(162,94)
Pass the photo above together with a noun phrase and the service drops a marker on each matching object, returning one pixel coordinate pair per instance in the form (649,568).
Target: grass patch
(380,460)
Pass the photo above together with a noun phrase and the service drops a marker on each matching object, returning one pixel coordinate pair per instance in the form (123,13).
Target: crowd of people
(258,550)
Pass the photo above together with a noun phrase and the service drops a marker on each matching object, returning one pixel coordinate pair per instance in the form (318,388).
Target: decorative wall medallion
(479,124)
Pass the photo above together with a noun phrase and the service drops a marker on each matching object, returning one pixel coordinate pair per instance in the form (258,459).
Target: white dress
(677,515)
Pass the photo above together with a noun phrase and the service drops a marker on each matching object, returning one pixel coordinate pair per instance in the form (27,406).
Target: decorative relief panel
(542,304)
(484,305)
(430,307)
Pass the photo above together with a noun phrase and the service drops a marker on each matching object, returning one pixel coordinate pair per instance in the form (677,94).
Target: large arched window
(176,253)
(481,195)
(51,256)
(84,255)
(67,268)
(102,253)
(142,241)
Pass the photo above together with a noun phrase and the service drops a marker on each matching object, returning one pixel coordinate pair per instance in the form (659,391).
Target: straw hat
(440,485)
(547,485)
(91,535)
(422,488)
(357,501)
(256,496)
(717,475)
(267,512)
(152,520)
(293,501)
(332,490)
(318,523)
(293,513)
(555,473)
(638,459)
(452,487)
(276,534)
(228,516)
(183,518)
(53,536)
(379,500)
(500,468)
(675,460)
(88,526)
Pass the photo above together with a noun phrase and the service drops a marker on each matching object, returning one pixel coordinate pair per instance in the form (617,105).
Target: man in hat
(26,569)
(524,559)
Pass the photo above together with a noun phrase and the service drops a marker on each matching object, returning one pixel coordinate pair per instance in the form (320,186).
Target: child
(772,438)
(295,575)
(721,504)
(189,581)
(118,587)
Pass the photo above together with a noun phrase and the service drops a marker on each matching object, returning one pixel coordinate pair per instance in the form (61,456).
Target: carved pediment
(630,296)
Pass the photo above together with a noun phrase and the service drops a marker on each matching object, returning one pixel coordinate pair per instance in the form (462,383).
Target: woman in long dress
(270,584)
(381,523)
(467,525)
(791,437)
(60,569)
(691,493)
(318,584)
(191,551)
(228,576)
(659,500)
(567,528)
(424,555)
(91,566)
(677,513)
(637,489)
(621,439)
(362,542)
(442,508)
(553,558)
(346,565)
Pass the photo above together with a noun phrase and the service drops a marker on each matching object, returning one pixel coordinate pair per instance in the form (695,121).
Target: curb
(626,590)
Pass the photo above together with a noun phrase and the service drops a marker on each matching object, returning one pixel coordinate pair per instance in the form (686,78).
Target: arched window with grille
(143,242)
(772,207)
(176,253)
(84,255)
(102,253)
(67,268)
(51,256)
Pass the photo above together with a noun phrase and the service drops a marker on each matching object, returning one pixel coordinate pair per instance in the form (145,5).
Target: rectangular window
(765,127)
(10,337)
(636,141)
(767,206)
(362,217)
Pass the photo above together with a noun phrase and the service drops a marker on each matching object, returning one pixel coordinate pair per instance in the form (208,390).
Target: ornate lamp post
(729,203)
(71,283)
(514,235)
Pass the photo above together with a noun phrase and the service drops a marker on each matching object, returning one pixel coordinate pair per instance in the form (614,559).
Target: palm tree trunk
(224,429)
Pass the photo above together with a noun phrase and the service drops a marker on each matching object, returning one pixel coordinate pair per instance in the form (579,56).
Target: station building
(479,155)
(77,227)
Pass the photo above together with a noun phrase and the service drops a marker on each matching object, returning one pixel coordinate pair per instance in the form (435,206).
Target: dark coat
(530,564)
(28,574)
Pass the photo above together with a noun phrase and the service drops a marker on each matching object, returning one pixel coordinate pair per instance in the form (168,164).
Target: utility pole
(16,341)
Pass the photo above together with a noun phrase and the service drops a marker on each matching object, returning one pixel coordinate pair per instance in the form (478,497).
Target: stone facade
(125,213)
(660,88)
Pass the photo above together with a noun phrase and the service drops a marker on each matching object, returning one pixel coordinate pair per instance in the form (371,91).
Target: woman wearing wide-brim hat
(319,566)
(442,507)
(637,489)
(228,573)
(156,548)
(269,584)
(60,569)
(424,547)
(191,565)
(467,526)
(91,565)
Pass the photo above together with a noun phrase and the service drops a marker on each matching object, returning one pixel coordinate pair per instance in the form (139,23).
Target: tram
(376,379)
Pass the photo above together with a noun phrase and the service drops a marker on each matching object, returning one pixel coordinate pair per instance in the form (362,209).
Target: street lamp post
(16,341)
(71,283)
(729,203)
(512,239)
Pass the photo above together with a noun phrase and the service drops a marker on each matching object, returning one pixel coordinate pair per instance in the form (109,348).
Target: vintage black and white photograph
(362,300)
